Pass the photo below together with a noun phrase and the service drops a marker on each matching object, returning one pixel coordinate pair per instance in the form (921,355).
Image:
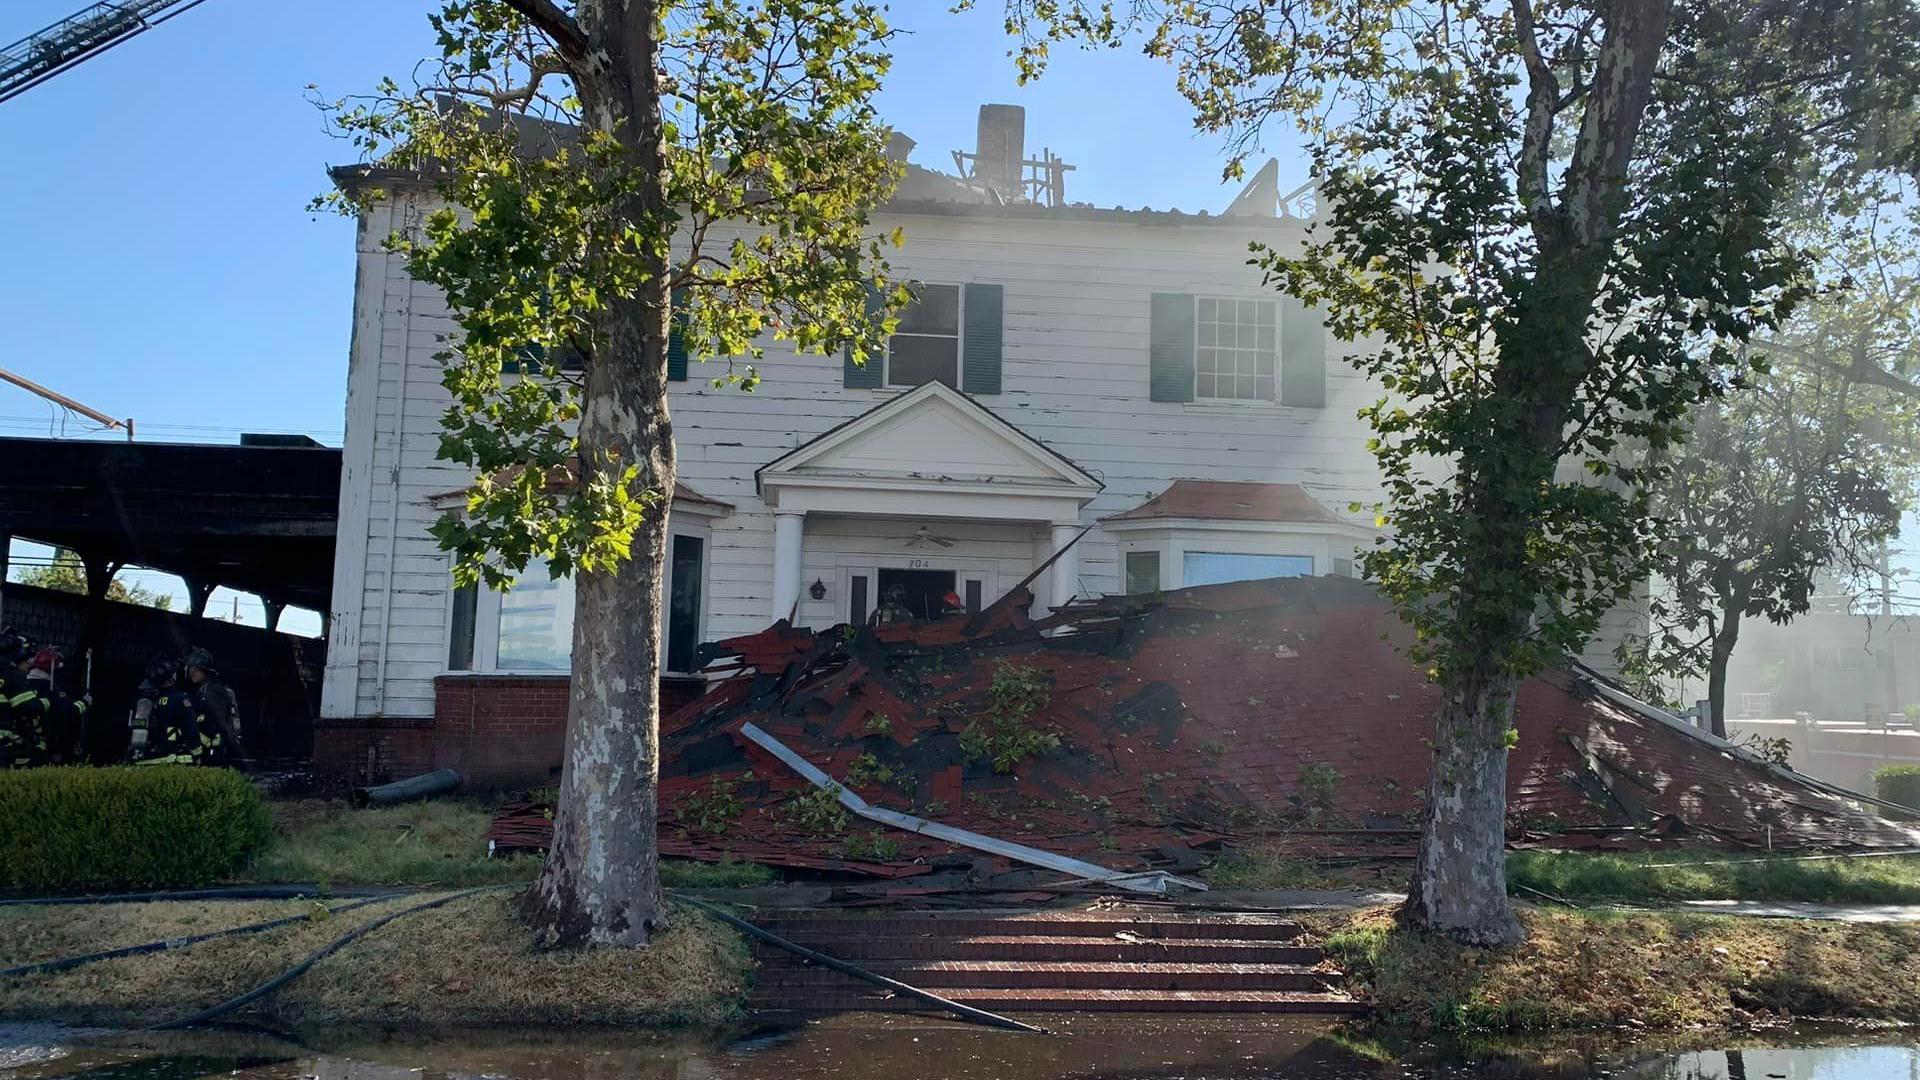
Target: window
(536,622)
(1218,567)
(529,629)
(1236,348)
(466,600)
(1143,572)
(683,602)
(925,347)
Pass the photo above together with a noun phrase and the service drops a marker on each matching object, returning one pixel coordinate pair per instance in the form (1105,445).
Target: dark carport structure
(259,517)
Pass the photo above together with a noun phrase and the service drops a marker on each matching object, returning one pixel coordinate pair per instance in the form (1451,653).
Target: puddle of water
(907,1048)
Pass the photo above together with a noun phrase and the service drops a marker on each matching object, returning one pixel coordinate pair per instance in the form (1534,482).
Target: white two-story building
(1067,370)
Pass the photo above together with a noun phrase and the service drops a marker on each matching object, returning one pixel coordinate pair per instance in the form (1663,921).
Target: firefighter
(165,725)
(893,607)
(214,706)
(23,712)
(64,715)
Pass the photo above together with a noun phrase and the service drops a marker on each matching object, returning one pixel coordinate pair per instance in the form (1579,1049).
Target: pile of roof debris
(1128,740)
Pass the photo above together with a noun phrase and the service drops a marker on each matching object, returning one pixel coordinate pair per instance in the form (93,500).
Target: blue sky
(162,263)
(153,199)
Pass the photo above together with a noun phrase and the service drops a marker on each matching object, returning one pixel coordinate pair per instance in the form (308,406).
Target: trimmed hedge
(1899,784)
(131,827)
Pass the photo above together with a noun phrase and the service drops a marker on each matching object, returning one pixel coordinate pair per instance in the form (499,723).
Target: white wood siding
(1075,378)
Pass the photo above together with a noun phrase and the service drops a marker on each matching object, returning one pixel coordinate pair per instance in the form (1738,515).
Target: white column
(788,535)
(1065,572)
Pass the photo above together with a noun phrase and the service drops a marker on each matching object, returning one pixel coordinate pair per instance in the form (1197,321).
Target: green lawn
(436,843)
(1715,875)
(1644,877)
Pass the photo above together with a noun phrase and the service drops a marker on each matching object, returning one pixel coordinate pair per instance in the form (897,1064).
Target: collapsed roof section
(1132,730)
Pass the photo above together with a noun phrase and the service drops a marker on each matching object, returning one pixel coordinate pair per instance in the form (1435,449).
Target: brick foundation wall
(372,751)
(499,731)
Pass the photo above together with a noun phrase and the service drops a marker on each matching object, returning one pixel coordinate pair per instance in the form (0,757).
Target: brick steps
(1153,925)
(1066,961)
(1125,1001)
(1053,947)
(942,975)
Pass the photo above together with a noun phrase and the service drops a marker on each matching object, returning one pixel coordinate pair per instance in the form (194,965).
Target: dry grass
(29,935)
(1587,970)
(467,963)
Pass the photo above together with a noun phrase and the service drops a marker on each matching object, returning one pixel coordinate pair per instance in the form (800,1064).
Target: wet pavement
(858,1047)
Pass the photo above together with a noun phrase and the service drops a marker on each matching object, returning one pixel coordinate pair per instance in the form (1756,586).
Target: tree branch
(1542,91)
(568,39)
(1622,83)
(1859,370)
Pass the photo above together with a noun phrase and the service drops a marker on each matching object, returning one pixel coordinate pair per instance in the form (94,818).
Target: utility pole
(1894,705)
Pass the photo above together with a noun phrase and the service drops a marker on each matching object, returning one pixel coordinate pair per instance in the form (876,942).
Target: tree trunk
(1723,643)
(1460,878)
(1459,881)
(601,882)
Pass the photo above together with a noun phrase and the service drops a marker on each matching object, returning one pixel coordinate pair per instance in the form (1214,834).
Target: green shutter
(676,343)
(1170,348)
(981,339)
(873,374)
(1303,356)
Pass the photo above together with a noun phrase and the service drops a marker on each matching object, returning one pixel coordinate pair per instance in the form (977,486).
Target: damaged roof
(1132,731)
(1225,500)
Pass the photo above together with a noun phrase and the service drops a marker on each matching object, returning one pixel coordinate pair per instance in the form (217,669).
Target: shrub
(1899,784)
(1005,734)
(131,827)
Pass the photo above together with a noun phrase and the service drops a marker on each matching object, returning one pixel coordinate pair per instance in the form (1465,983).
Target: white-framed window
(1236,349)
(1157,555)
(534,623)
(1142,571)
(1220,567)
(528,630)
(925,346)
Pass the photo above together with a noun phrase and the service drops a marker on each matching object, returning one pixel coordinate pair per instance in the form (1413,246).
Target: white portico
(929,492)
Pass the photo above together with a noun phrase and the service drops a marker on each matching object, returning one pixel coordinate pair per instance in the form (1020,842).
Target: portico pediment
(947,452)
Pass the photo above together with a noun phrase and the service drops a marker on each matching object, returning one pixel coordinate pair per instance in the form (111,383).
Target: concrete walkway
(1789,909)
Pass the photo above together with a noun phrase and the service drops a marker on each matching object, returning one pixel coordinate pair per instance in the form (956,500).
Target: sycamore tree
(1550,228)
(619,180)
(1800,474)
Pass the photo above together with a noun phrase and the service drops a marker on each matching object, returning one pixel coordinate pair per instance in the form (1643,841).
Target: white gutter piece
(1154,881)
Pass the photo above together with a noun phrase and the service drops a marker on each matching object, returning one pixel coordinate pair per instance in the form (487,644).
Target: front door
(922,591)
(924,588)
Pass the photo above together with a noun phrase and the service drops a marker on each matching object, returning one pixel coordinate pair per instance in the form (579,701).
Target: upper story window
(1213,348)
(925,346)
(949,334)
(1236,348)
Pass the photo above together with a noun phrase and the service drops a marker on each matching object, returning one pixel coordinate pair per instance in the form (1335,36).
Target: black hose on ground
(69,962)
(967,1012)
(299,969)
(292,891)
